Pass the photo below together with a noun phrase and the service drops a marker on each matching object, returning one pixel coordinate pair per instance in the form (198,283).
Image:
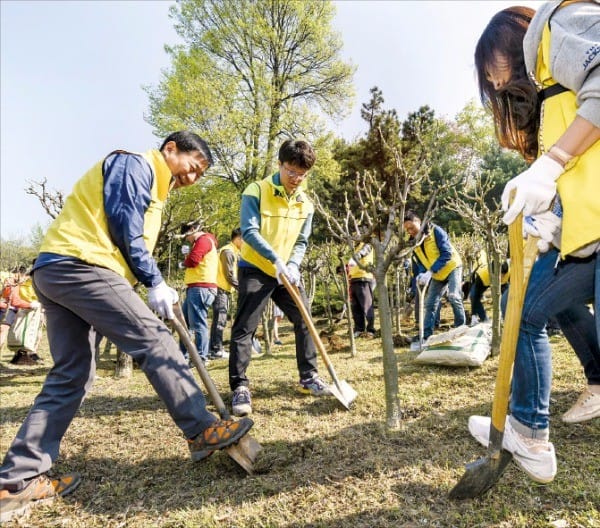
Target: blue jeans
(561,289)
(434,297)
(198,300)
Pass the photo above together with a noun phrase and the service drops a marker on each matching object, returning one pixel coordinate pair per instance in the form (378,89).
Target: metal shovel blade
(343,392)
(245,453)
(340,389)
(482,474)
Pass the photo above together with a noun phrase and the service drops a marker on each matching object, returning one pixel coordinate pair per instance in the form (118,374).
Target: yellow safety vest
(484,275)
(428,252)
(81,228)
(26,291)
(206,270)
(222,281)
(281,221)
(356,272)
(579,186)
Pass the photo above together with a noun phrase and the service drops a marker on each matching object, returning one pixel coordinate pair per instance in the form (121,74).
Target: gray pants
(79,299)
(220,310)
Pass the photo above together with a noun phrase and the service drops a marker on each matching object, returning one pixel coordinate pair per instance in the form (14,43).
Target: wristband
(567,160)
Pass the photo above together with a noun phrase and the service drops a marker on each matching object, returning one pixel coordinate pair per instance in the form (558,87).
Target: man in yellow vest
(361,291)
(200,278)
(226,282)
(93,253)
(276,220)
(480,283)
(444,268)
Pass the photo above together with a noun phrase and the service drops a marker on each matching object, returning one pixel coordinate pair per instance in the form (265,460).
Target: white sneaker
(585,408)
(535,457)
(241,404)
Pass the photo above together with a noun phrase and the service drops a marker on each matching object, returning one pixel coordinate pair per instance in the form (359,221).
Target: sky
(72,75)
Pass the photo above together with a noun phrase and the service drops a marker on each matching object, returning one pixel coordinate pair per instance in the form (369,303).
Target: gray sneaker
(315,386)
(241,403)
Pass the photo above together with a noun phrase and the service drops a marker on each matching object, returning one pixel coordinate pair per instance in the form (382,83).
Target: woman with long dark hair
(538,73)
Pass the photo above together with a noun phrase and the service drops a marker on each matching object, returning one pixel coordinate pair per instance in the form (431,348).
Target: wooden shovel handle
(295,293)
(181,328)
(521,262)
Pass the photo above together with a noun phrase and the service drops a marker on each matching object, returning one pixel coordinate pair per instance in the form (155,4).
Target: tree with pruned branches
(376,216)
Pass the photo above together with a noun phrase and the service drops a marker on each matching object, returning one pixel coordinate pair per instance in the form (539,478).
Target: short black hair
(298,153)
(190,228)
(411,216)
(237,232)
(187,141)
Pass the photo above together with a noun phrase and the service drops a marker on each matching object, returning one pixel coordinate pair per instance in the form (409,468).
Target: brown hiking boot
(39,490)
(219,435)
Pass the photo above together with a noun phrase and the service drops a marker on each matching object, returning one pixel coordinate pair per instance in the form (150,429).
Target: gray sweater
(574,51)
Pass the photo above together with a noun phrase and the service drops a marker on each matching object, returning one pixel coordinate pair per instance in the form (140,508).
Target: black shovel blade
(481,475)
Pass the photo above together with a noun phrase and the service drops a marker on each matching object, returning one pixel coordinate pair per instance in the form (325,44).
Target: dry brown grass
(321,466)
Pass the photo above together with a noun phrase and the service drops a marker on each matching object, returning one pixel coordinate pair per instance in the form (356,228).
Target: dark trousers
(475,295)
(81,300)
(361,301)
(220,309)
(255,290)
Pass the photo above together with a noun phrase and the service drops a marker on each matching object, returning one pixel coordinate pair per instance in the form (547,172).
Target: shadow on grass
(417,457)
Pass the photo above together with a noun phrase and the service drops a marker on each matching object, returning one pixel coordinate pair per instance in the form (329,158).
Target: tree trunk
(390,365)
(267,324)
(494,266)
(346,297)
(398,301)
(124,366)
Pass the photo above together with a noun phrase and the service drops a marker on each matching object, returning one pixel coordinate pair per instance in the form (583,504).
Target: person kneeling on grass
(99,245)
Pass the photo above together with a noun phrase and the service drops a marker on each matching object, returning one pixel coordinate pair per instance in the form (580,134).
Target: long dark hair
(515,106)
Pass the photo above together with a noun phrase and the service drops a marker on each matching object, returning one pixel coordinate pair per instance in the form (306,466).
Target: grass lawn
(321,466)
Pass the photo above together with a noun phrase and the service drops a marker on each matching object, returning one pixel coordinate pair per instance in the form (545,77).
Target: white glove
(161,299)
(280,269)
(181,265)
(185,250)
(535,189)
(546,226)
(34,305)
(352,262)
(293,273)
(424,278)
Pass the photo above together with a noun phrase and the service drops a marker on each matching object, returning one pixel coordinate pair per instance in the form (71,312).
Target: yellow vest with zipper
(206,270)
(428,252)
(579,186)
(222,281)
(81,228)
(281,221)
(356,272)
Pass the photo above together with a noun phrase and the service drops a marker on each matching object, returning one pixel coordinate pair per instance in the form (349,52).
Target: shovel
(341,389)
(482,474)
(247,449)
(421,289)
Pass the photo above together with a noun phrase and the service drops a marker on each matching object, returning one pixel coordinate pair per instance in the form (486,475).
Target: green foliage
(15,252)
(249,73)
